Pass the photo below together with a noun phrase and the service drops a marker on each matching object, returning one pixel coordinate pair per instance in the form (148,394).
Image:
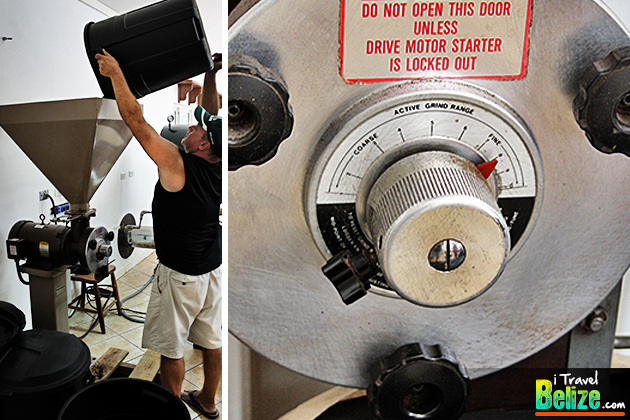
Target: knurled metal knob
(259,114)
(419,381)
(439,234)
(602,106)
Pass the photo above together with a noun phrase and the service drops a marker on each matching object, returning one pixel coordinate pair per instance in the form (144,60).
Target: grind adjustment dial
(437,229)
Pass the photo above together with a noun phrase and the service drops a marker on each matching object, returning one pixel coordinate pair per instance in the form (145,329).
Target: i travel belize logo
(574,395)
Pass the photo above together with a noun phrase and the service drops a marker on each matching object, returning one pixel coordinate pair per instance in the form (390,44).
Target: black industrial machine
(427,193)
(88,137)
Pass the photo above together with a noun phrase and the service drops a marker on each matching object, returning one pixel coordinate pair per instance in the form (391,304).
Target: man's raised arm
(164,153)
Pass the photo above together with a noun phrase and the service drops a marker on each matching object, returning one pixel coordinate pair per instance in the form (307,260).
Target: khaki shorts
(181,308)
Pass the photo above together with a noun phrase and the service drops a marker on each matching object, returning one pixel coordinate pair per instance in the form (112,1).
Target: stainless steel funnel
(74,143)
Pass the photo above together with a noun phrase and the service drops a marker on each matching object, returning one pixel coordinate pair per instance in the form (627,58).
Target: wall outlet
(42,195)
(123,176)
(130,174)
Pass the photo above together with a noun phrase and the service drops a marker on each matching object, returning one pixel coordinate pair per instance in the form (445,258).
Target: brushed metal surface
(74,142)
(427,199)
(577,249)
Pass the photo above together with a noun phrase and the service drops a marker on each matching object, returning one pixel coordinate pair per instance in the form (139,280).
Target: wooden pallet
(111,365)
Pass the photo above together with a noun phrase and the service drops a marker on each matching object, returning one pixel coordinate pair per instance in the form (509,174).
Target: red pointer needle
(486,168)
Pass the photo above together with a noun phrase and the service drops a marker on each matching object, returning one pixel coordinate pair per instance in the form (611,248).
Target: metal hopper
(74,142)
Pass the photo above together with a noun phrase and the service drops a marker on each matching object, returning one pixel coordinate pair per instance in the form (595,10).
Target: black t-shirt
(186,223)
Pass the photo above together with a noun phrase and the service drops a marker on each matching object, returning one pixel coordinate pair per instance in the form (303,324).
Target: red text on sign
(476,45)
(431,27)
(462,8)
(427,9)
(427,64)
(419,46)
(369,10)
(494,8)
(465,63)
(394,9)
(382,46)
(394,65)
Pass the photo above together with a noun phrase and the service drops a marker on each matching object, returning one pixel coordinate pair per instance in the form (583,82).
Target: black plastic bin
(125,399)
(12,323)
(156,46)
(39,372)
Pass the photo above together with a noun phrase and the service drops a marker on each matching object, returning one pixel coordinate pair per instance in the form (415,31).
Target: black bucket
(156,46)
(125,399)
(12,323)
(39,372)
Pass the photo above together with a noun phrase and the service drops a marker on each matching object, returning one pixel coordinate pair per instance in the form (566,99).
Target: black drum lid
(42,361)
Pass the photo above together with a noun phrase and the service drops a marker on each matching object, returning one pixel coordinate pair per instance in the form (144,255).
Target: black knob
(259,114)
(92,244)
(110,236)
(602,106)
(350,274)
(419,381)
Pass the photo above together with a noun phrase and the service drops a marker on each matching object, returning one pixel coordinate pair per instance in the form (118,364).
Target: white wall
(46,60)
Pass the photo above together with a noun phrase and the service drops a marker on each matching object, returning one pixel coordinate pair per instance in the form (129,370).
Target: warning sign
(385,40)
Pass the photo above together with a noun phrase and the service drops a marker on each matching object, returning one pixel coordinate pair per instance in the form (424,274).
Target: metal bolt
(104,251)
(596,320)
(447,255)
(234,110)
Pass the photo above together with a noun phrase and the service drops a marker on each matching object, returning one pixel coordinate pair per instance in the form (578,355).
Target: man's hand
(210,98)
(217,60)
(107,65)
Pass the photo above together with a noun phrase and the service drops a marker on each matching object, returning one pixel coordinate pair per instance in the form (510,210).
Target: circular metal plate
(412,118)
(125,248)
(576,251)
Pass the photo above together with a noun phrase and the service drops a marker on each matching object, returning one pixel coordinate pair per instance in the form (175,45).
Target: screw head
(447,255)
(596,320)
(597,324)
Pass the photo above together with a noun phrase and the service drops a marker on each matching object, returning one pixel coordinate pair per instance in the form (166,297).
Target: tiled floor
(127,335)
